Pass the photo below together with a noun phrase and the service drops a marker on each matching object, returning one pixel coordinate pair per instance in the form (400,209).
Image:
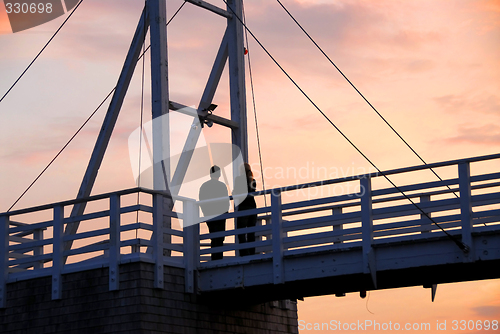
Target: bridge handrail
(273,238)
(377,174)
(378,232)
(24,246)
(368,175)
(87,199)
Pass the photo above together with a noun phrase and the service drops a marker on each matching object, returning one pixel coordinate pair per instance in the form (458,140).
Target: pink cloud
(483,103)
(484,135)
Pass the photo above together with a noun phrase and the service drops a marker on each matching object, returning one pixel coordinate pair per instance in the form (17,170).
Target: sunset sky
(431,67)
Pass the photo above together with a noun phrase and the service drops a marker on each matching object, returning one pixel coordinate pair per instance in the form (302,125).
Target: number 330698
(30,8)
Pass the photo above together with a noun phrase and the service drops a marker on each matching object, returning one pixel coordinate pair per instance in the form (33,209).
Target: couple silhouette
(217,191)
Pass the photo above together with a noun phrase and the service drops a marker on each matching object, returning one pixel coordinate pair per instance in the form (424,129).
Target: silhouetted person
(248,203)
(213,189)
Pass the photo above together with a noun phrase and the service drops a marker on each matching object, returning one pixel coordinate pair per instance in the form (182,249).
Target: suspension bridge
(378,236)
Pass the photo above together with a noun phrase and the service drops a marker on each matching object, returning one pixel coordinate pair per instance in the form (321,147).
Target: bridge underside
(398,265)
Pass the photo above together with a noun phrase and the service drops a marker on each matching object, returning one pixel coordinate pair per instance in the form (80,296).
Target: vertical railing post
(367,229)
(268,222)
(426,225)
(337,212)
(466,207)
(191,242)
(114,242)
(277,237)
(4,259)
(57,251)
(37,251)
(157,239)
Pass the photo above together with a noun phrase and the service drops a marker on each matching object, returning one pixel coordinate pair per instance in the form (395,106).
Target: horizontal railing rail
(364,219)
(112,231)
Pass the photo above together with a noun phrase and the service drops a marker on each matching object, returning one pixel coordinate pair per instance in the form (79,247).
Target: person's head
(215,172)
(248,171)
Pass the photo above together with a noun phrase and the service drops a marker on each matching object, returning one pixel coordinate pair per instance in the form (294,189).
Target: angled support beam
(215,74)
(109,122)
(210,7)
(206,100)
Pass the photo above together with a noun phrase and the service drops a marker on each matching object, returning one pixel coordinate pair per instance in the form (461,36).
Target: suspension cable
(86,121)
(254,108)
(62,149)
(359,92)
(459,243)
(39,53)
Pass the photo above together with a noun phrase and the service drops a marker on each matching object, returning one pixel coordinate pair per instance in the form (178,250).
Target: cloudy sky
(429,66)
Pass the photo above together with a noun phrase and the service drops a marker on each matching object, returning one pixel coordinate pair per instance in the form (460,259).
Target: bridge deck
(371,237)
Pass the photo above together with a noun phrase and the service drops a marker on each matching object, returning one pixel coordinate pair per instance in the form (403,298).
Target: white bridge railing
(116,228)
(133,225)
(461,205)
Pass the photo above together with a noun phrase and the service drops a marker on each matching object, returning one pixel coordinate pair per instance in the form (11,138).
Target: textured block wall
(87,306)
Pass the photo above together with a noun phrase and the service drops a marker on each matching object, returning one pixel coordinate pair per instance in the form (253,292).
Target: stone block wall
(87,306)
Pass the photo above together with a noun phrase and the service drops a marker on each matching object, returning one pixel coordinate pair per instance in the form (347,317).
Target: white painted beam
(191,244)
(210,7)
(114,242)
(277,238)
(57,252)
(157,240)
(109,123)
(236,55)
(211,117)
(464,184)
(159,91)
(367,229)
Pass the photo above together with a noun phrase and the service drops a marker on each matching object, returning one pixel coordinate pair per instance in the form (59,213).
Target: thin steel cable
(39,53)
(359,92)
(86,121)
(459,244)
(364,98)
(66,145)
(254,109)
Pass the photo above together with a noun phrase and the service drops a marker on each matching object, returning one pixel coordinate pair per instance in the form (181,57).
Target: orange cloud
(483,103)
(4,20)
